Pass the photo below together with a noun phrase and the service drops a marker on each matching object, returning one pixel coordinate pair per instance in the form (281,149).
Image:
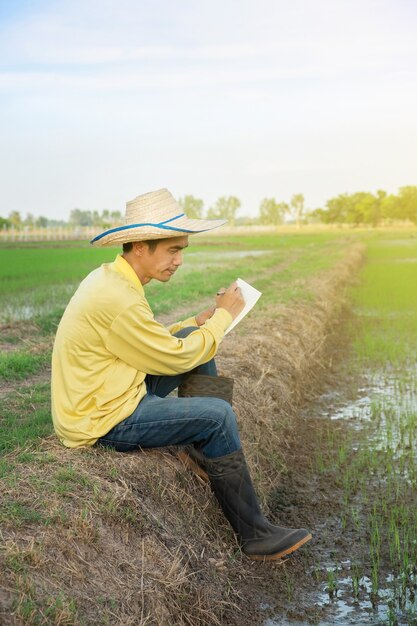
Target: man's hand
(202,317)
(231,299)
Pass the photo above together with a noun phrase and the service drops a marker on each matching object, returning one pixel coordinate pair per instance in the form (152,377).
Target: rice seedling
(331,583)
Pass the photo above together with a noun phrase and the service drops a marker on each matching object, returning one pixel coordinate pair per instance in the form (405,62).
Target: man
(113,367)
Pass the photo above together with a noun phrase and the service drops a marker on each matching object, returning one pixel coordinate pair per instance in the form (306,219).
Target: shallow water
(382,418)
(39,302)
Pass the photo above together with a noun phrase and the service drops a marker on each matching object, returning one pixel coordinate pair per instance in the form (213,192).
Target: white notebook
(251,297)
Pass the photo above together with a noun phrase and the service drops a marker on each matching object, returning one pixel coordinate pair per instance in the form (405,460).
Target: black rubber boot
(260,540)
(202,385)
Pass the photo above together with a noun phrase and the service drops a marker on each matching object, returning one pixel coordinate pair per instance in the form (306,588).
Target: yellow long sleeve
(106,343)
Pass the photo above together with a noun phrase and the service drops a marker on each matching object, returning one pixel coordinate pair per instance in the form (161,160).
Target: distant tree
(80,218)
(191,206)
(335,211)
(4,222)
(105,221)
(225,208)
(315,216)
(15,219)
(357,208)
(116,217)
(41,221)
(381,197)
(390,207)
(319,215)
(246,220)
(353,213)
(96,219)
(407,203)
(272,212)
(366,208)
(29,220)
(297,204)
(55,223)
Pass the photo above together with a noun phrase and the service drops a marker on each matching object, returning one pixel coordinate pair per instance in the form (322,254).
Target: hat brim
(141,232)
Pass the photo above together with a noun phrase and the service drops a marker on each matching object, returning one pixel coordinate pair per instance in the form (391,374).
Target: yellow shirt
(106,343)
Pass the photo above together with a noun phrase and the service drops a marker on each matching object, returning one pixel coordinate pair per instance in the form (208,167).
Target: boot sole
(190,464)
(279,555)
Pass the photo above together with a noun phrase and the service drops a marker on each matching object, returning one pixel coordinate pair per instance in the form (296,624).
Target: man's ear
(138,248)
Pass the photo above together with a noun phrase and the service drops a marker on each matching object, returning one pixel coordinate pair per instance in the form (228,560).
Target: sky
(102,100)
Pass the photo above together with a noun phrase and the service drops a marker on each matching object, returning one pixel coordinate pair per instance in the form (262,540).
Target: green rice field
(37,281)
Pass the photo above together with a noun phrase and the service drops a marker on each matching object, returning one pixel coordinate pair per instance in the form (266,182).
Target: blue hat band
(161,225)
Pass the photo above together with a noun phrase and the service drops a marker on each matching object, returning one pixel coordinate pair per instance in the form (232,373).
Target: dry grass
(122,536)
(97,537)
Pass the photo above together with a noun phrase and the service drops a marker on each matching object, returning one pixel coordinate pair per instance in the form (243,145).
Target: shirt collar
(123,267)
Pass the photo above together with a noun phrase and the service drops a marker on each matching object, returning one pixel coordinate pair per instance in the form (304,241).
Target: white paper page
(251,297)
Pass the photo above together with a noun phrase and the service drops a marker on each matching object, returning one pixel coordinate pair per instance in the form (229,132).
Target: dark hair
(151,243)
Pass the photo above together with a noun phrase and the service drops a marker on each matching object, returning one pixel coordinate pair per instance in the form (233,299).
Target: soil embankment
(135,539)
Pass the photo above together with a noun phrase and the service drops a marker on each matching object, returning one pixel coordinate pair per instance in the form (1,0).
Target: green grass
(51,609)
(19,365)
(25,416)
(13,511)
(67,479)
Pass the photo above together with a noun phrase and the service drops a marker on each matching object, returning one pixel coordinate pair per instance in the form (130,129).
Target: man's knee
(224,414)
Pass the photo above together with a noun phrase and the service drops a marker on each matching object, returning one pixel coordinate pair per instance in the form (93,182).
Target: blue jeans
(208,423)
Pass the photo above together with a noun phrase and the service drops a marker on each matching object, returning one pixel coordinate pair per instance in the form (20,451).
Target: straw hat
(154,215)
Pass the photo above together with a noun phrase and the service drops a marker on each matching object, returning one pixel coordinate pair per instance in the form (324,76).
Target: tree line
(370,209)
(225,207)
(360,208)
(103,219)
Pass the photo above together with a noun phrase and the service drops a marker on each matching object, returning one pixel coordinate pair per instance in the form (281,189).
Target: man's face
(163,262)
